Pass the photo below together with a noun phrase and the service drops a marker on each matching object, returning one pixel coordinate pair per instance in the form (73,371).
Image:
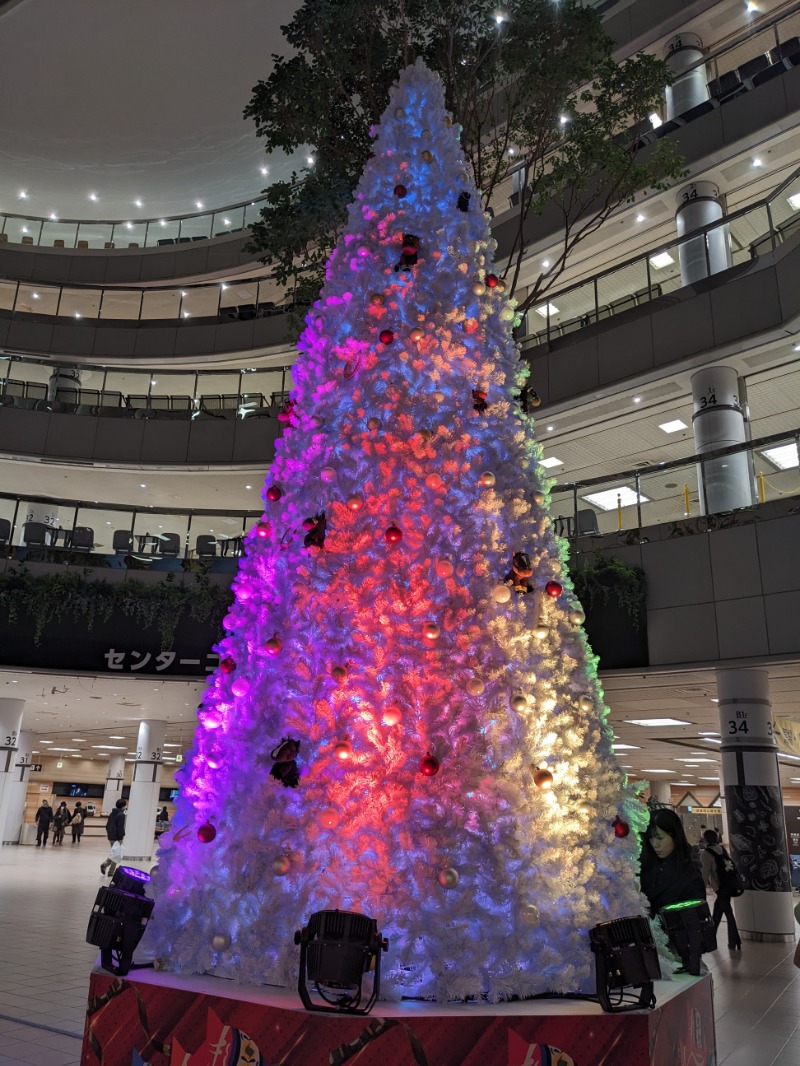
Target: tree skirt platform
(168,1020)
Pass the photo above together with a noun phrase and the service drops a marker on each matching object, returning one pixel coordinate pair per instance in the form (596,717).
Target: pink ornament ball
(355,503)
(206,833)
(392,716)
(431,632)
(240,687)
(343,750)
(262,530)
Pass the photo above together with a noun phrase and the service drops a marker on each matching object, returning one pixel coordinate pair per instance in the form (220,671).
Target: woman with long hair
(669,871)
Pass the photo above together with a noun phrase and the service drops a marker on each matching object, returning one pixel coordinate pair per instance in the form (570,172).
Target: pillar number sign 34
(748,724)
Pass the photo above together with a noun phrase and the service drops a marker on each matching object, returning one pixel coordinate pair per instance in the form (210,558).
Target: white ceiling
(134,101)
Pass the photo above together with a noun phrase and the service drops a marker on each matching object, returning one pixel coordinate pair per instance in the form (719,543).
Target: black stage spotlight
(119,918)
(336,949)
(625,956)
(690,930)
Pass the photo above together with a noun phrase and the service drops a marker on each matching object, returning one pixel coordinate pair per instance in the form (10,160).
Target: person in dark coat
(722,904)
(44,818)
(76,822)
(669,873)
(60,823)
(115,831)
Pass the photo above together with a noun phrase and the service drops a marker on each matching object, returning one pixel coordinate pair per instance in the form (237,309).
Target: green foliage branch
(605,576)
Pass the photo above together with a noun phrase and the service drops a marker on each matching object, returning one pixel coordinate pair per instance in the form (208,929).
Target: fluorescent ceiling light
(79,740)
(694,761)
(655,120)
(656,722)
(784,456)
(661,260)
(63,749)
(550,461)
(675,426)
(625,747)
(658,771)
(709,779)
(110,747)
(116,738)
(784,755)
(170,745)
(712,734)
(794,201)
(690,784)
(608,499)
(47,742)
(758,162)
(546,309)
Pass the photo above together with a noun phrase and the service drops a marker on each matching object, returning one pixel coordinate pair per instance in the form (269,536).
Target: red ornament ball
(274,493)
(400,190)
(621,829)
(206,833)
(552,588)
(262,529)
(492,280)
(429,765)
(274,645)
(386,336)
(227,665)
(393,535)
(343,750)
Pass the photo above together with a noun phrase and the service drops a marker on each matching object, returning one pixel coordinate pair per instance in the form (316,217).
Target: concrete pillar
(10,723)
(17,788)
(140,826)
(690,87)
(756,832)
(718,422)
(699,204)
(64,380)
(661,791)
(113,789)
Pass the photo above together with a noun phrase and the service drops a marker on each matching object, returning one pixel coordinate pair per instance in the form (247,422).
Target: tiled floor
(46,895)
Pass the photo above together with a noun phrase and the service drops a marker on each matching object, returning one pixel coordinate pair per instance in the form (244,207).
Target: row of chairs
(616,307)
(124,541)
(34,390)
(60,242)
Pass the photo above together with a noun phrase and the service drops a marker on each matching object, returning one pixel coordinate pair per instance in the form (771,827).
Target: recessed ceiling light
(310,160)
(610,499)
(689,783)
(162,222)
(675,426)
(93,197)
(128,225)
(143,486)
(248,486)
(661,260)
(36,297)
(713,699)
(138,203)
(655,120)
(757,162)
(46,742)
(53,216)
(784,456)
(78,314)
(22,194)
(78,740)
(709,779)
(656,722)
(637,399)
(546,309)
(550,461)
(199,205)
(550,429)
(563,119)
(545,264)
(110,747)
(226,221)
(641,218)
(264,170)
(24,229)
(794,201)
(186,314)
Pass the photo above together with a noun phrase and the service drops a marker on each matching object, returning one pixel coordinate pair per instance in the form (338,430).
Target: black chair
(34,535)
(586,523)
(5,532)
(747,71)
(110,399)
(122,542)
(14,388)
(169,545)
(726,86)
(697,111)
(206,548)
(623,304)
(247,312)
(89,397)
(181,403)
(36,391)
(785,50)
(211,403)
(165,240)
(774,71)
(160,403)
(184,240)
(199,238)
(230,402)
(139,403)
(82,539)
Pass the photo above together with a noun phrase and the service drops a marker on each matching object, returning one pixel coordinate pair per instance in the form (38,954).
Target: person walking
(720,875)
(78,816)
(60,823)
(44,818)
(115,831)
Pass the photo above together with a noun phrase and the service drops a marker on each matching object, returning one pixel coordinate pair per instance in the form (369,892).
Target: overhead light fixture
(751,8)
(658,771)
(116,738)
(310,160)
(545,264)
(336,949)
(641,218)
(43,741)
(625,747)
(655,120)
(637,399)
(550,429)
(199,205)
(693,761)
(675,426)
(546,309)
(708,734)
(138,203)
(109,747)
(794,201)
(35,296)
(93,197)
(656,722)
(53,216)
(661,260)
(784,456)
(162,222)
(563,120)
(550,462)
(610,499)
(757,162)
(264,170)
(22,194)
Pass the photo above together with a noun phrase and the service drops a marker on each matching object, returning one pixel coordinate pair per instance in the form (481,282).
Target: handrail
(139,221)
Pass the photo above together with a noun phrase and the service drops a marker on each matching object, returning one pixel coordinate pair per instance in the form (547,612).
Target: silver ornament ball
(220,941)
(448,878)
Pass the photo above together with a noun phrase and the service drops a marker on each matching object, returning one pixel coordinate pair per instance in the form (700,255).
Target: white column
(140,826)
(699,204)
(114,776)
(756,832)
(661,791)
(64,378)
(690,86)
(10,723)
(17,788)
(718,422)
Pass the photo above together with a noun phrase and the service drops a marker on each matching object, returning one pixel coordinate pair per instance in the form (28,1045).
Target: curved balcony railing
(671,491)
(128,233)
(73,532)
(35,385)
(241,300)
(750,232)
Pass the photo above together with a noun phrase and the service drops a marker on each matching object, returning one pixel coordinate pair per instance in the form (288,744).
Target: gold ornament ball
(475,687)
(377,299)
(392,716)
(543,779)
(479,288)
(501,285)
(538,497)
(373,423)
(417,334)
(487,479)
(280,866)
(518,702)
(530,915)
(585,807)
(426,133)
(220,941)
(427,156)
(577,617)
(438,396)
(444,568)
(399,112)
(507,314)
(540,632)
(586,703)
(448,878)
(355,503)
(431,631)
(501,594)
(448,121)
